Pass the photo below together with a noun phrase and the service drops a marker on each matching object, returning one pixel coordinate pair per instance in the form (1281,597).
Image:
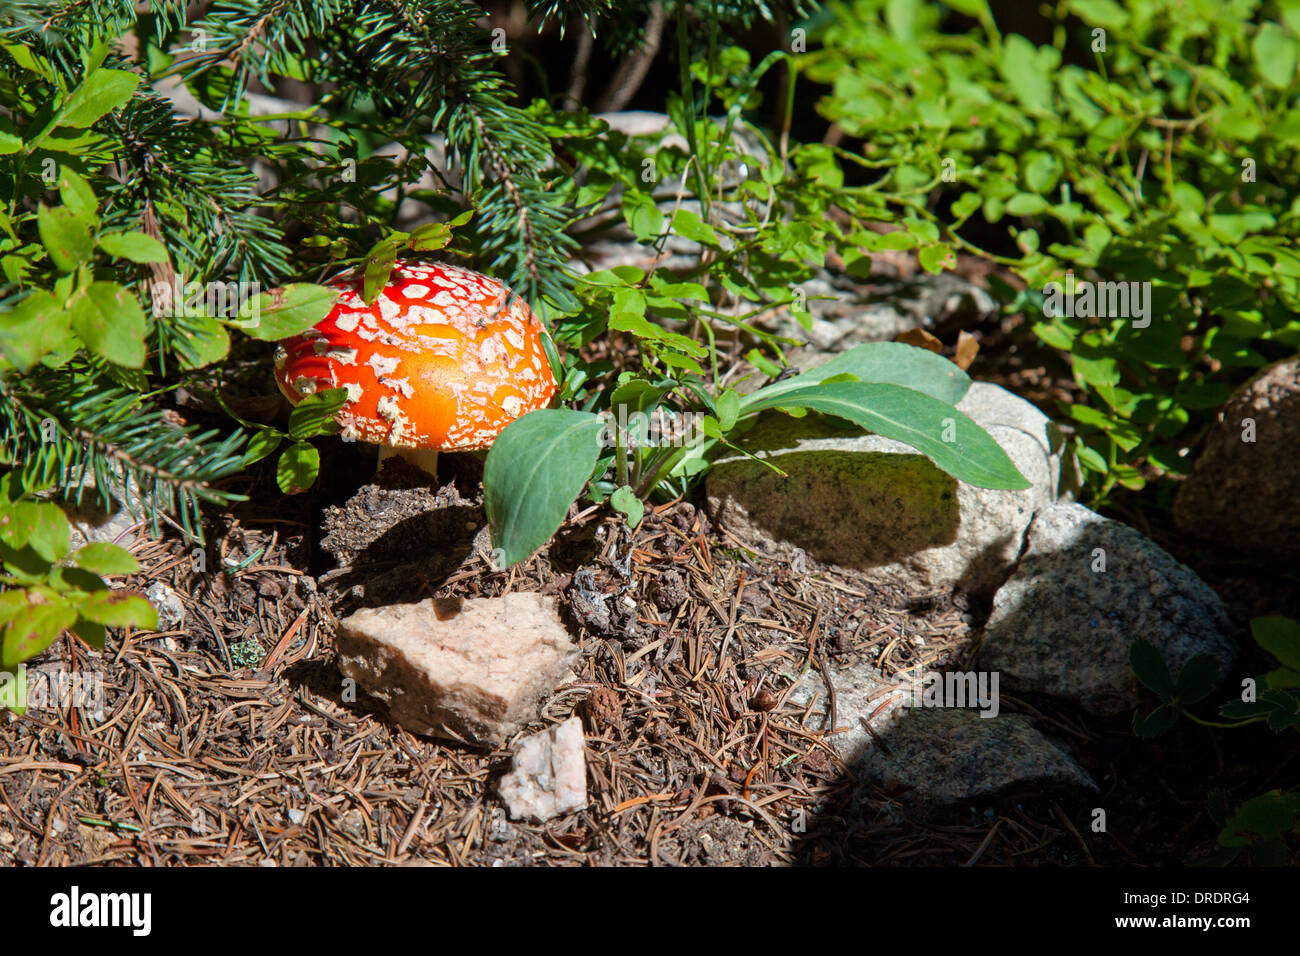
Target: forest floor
(228,740)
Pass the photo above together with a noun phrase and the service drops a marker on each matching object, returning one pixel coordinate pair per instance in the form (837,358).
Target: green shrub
(1151,141)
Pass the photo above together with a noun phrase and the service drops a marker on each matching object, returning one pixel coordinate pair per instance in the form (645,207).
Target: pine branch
(60,425)
(431,54)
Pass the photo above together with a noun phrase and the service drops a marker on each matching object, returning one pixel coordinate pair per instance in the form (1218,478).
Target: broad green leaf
(288,311)
(635,396)
(35,327)
(136,246)
(103,90)
(1155,723)
(200,340)
(119,609)
(77,194)
(642,215)
(9,143)
(101,557)
(263,442)
(1268,815)
(1150,667)
(1197,679)
(946,436)
(884,362)
(1026,69)
(625,501)
(1275,56)
(48,533)
(431,237)
(297,468)
(65,235)
(314,415)
(92,633)
(379,269)
(536,468)
(107,317)
(935,259)
(34,629)
(1280,636)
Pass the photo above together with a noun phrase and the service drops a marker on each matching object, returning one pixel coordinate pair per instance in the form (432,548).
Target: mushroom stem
(425,459)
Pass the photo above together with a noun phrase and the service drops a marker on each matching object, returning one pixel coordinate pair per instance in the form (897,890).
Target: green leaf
(689,225)
(107,317)
(90,632)
(35,327)
(34,629)
(536,468)
(65,235)
(103,90)
(9,143)
(263,442)
(1280,636)
(106,559)
(1150,668)
(314,415)
(728,405)
(946,436)
(935,259)
(200,340)
(1197,679)
(136,246)
(297,468)
(288,311)
(48,532)
(118,609)
(1025,68)
(642,215)
(1155,723)
(1275,56)
(379,268)
(624,500)
(884,362)
(77,194)
(431,237)
(1268,815)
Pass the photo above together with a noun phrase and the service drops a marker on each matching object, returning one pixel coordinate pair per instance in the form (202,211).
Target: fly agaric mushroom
(434,364)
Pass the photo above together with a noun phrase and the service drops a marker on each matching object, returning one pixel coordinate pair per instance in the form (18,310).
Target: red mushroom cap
(431,364)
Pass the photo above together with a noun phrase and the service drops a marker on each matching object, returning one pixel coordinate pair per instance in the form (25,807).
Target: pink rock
(549,776)
(470,670)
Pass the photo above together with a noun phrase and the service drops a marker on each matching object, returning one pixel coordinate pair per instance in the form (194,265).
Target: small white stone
(171,612)
(549,776)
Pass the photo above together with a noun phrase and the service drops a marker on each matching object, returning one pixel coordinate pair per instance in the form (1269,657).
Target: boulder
(862,501)
(949,756)
(549,774)
(1085,589)
(470,670)
(944,754)
(1243,489)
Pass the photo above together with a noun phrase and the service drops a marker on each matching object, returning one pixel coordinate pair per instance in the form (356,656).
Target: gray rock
(843,311)
(549,774)
(1243,493)
(863,501)
(944,754)
(949,756)
(1060,627)
(470,670)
